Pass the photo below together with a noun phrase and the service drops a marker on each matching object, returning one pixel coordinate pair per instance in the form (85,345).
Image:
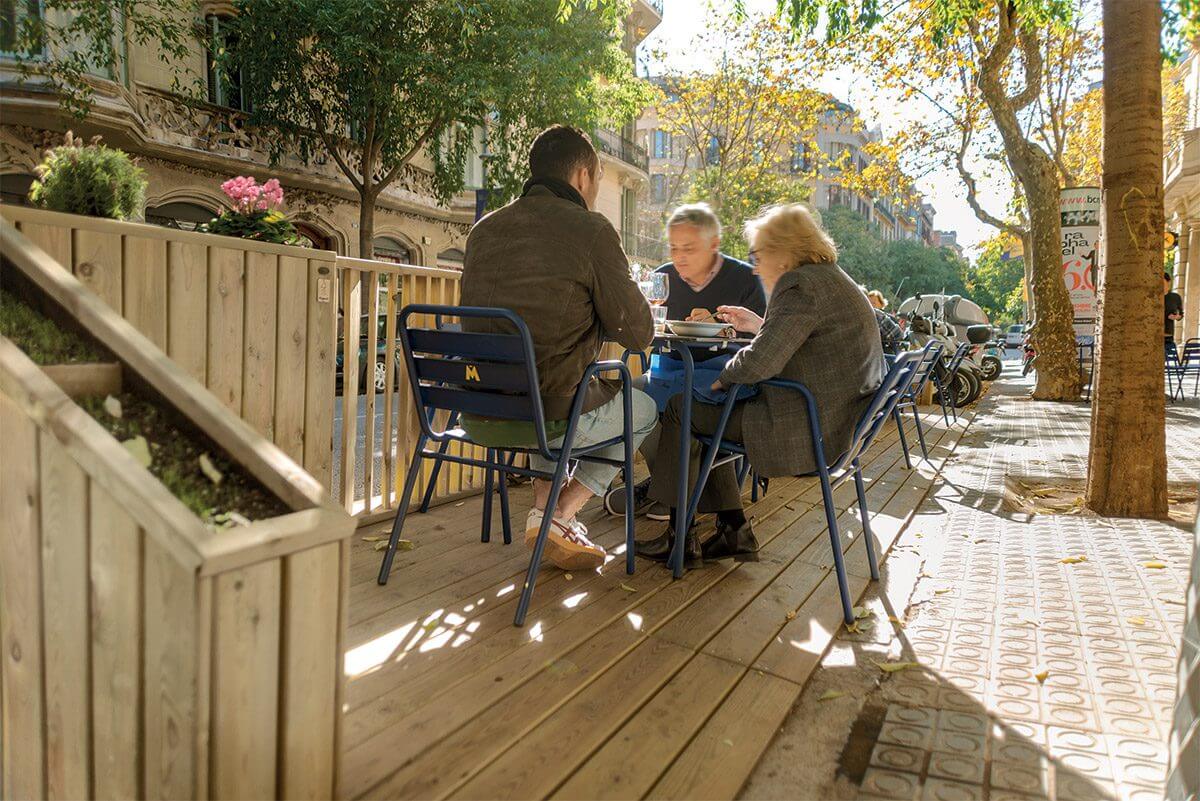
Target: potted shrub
(90,179)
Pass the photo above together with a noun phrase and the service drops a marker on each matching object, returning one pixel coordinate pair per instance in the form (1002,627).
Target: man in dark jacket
(1172,309)
(560,266)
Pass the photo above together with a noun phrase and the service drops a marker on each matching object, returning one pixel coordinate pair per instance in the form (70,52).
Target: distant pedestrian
(1172,309)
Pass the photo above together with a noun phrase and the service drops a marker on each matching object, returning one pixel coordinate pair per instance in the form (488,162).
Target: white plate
(685,328)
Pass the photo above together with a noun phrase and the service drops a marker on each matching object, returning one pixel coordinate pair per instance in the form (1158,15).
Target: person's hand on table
(717,386)
(740,318)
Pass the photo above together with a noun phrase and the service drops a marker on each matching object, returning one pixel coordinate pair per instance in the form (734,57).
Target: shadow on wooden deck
(618,686)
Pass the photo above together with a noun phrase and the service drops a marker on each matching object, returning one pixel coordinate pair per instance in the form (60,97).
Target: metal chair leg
(489,487)
(505,514)
(903,441)
(433,477)
(920,432)
(539,545)
(410,481)
(629,449)
(866,521)
(836,543)
(941,395)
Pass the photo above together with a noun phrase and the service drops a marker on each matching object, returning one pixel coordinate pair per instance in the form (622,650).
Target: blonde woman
(819,330)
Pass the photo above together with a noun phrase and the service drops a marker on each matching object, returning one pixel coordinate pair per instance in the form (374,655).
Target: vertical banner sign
(1080,209)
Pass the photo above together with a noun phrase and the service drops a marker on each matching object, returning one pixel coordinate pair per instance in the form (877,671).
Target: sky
(683,19)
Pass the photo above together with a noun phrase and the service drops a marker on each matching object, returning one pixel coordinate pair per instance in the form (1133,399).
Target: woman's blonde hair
(878,297)
(794,232)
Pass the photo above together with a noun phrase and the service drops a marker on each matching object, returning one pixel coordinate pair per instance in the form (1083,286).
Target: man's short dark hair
(559,151)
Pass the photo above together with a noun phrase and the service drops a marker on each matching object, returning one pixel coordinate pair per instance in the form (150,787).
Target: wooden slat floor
(618,686)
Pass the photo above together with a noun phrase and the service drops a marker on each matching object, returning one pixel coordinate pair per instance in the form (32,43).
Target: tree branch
(972,191)
(332,145)
(391,174)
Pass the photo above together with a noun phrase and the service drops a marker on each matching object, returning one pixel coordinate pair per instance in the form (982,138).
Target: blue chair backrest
(880,408)
(1191,352)
(923,368)
(1171,353)
(488,375)
(959,354)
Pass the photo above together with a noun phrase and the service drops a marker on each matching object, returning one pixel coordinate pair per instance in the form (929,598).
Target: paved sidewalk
(1008,673)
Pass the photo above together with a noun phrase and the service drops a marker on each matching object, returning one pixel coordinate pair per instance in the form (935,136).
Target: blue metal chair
(929,356)
(1189,363)
(1174,370)
(943,390)
(721,451)
(495,376)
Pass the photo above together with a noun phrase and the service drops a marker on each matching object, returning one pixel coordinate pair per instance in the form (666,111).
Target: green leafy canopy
(382,84)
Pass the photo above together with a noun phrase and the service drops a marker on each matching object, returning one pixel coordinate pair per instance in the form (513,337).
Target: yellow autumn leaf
(896,620)
(942,591)
(893,667)
(830,695)
(626,587)
(1154,565)
(791,615)
(1041,676)
(1137,621)
(1073,560)
(568,576)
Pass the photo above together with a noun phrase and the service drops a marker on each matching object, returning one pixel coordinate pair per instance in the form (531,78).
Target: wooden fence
(143,655)
(251,321)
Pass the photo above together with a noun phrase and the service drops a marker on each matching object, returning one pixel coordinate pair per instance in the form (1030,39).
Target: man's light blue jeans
(605,422)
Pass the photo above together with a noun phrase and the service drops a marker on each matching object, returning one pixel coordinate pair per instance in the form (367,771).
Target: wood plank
(394,384)
(84,380)
(115,558)
(530,768)
(22,735)
(64,505)
(372,332)
(187,308)
(351,285)
(310,672)
(145,288)
(226,346)
(98,265)
(171,618)
(53,239)
(633,757)
(319,375)
(245,682)
(258,365)
(291,356)
(720,757)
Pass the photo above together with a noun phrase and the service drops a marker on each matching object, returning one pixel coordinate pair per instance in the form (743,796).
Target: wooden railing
(374,444)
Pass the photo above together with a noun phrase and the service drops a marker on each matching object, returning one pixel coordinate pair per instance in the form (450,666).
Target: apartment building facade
(1181,182)
(189,148)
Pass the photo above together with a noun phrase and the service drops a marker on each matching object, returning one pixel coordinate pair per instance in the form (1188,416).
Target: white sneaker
(567,543)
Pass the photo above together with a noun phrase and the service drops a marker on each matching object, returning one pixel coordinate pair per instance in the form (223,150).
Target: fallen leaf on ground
(626,587)
(112,406)
(728,742)
(568,576)
(138,449)
(1072,560)
(829,695)
(1041,676)
(375,538)
(893,667)
(1154,565)
(1172,601)
(1137,621)
(942,591)
(861,612)
(460,503)
(210,470)
(896,620)
(790,615)
(402,545)
(852,628)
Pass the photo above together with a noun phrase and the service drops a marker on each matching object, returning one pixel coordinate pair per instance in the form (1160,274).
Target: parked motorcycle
(966,384)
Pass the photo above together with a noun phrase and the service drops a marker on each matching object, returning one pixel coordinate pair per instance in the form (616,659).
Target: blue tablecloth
(665,380)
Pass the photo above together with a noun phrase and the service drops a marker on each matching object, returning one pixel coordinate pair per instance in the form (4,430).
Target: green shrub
(91,179)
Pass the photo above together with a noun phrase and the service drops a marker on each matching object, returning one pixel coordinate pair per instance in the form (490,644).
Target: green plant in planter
(89,178)
(254,213)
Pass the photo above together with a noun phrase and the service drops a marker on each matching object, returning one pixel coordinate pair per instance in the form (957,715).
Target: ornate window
(392,250)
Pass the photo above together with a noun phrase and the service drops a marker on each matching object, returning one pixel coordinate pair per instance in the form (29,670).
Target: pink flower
(246,195)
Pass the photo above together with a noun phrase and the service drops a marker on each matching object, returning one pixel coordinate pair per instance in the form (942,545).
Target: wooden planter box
(143,654)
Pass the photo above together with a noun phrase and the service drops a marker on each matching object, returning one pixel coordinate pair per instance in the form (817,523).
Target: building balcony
(1181,169)
(644,16)
(617,146)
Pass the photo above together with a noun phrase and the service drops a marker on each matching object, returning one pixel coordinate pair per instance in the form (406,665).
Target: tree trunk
(1053,334)
(1127,463)
(366,225)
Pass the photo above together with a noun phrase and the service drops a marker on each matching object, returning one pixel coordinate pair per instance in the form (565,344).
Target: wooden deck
(618,686)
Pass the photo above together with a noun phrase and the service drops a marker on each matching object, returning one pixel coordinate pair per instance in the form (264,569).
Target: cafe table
(683,345)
